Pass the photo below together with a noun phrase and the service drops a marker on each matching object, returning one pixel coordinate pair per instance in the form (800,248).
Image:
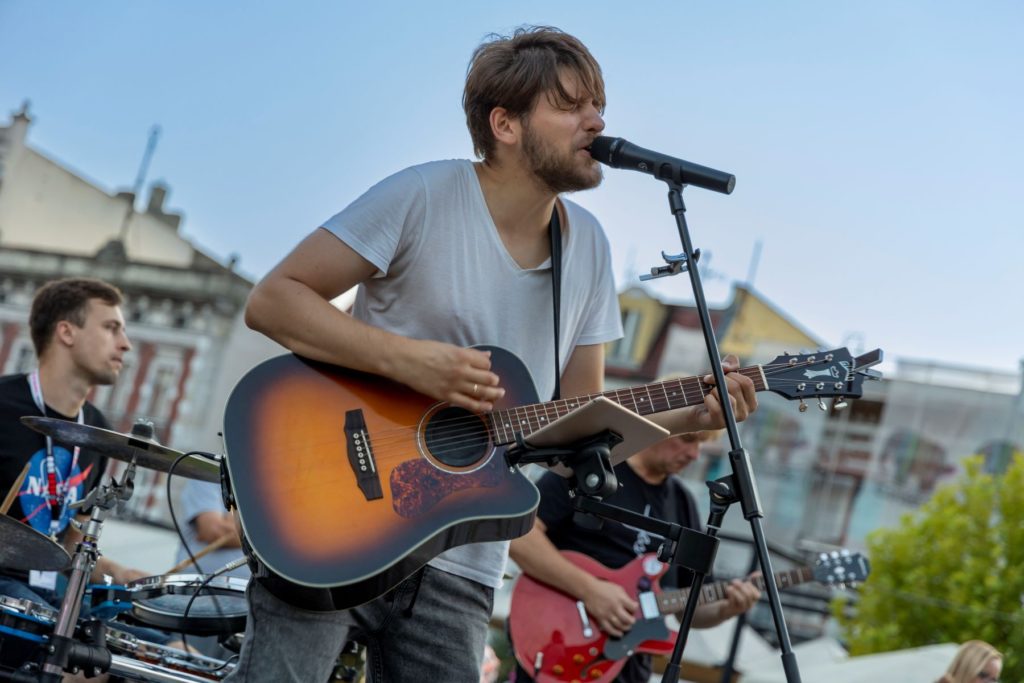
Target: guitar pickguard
(643,630)
(417,486)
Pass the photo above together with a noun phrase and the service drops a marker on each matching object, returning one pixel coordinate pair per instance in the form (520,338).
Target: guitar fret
(523,420)
(534,419)
(632,399)
(503,420)
(674,398)
(664,392)
(650,401)
(644,399)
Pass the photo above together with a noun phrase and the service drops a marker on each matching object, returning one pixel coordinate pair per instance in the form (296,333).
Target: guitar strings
(468,432)
(475,423)
(659,401)
(458,430)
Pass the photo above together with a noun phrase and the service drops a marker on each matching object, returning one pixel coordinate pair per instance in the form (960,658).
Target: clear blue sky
(877,145)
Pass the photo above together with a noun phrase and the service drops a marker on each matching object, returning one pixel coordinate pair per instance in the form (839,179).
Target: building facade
(183,307)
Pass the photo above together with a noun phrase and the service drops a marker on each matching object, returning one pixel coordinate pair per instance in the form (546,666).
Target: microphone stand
(738,486)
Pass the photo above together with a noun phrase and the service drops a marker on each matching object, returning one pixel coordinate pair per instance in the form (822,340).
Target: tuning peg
(821,405)
(803,406)
(839,403)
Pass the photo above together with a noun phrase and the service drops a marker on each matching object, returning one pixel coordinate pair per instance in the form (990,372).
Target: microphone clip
(677,263)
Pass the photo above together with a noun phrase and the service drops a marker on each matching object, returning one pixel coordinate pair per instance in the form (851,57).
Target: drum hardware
(349,664)
(136,659)
(59,650)
(138,670)
(26,631)
(195,604)
(107,600)
(59,641)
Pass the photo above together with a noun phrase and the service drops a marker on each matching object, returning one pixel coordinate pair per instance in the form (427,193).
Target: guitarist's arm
(709,416)
(606,602)
(291,305)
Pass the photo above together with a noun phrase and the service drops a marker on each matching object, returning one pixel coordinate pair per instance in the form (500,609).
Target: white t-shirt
(444,274)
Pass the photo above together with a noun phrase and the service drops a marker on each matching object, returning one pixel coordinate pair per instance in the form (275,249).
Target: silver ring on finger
(475,388)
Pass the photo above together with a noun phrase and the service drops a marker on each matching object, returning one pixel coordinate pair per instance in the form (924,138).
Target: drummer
(79,336)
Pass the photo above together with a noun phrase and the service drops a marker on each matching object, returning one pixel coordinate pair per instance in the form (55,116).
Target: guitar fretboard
(648,399)
(671,602)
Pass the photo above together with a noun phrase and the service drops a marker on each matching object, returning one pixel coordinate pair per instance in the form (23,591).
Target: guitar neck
(648,399)
(670,602)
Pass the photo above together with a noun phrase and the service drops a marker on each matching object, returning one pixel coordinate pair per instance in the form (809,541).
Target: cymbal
(24,548)
(144,451)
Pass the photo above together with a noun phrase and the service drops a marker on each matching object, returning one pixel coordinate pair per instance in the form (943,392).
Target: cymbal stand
(63,652)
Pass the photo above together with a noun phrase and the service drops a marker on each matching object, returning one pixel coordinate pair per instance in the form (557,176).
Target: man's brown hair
(513,71)
(66,299)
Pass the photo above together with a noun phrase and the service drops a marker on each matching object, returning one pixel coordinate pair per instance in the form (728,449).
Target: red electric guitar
(352,482)
(554,638)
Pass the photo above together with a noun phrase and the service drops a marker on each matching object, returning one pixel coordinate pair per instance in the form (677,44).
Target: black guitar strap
(555,230)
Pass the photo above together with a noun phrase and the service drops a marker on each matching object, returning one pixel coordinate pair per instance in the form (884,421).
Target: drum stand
(63,652)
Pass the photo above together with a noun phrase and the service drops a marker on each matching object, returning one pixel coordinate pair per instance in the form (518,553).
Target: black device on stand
(740,485)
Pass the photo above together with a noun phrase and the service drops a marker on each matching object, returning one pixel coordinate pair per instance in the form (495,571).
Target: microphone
(619,153)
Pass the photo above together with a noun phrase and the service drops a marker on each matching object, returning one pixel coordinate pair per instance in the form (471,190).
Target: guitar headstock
(823,374)
(841,568)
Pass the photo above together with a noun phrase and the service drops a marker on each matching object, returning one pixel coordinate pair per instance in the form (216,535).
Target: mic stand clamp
(589,459)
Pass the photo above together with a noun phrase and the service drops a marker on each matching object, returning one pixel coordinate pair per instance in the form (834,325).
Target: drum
(24,627)
(138,660)
(217,608)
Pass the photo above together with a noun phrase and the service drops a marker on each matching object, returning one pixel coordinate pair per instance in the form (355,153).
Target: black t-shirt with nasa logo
(19,444)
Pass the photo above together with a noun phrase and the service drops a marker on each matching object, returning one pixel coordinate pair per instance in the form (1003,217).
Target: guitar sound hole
(456,437)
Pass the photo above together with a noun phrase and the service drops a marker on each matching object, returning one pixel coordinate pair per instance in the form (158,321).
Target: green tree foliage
(953,571)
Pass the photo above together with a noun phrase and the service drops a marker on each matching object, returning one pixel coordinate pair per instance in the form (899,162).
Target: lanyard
(56,491)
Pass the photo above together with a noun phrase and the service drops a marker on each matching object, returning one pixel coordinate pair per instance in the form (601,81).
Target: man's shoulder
(439,168)
(14,388)
(584,223)
(426,177)
(5,380)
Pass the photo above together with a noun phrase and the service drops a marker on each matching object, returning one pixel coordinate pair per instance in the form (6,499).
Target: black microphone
(619,153)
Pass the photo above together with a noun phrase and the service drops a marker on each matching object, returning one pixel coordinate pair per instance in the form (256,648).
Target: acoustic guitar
(353,482)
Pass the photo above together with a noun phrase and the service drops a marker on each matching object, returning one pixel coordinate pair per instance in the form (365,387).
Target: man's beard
(557,173)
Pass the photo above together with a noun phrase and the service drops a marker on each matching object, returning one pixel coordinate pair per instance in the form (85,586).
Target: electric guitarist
(646,487)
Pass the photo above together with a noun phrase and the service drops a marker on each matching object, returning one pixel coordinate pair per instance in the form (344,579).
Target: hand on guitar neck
(615,612)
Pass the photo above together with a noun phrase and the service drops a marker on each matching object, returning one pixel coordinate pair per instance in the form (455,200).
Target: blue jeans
(441,638)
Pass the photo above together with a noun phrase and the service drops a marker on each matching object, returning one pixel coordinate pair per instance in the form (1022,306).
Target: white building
(183,307)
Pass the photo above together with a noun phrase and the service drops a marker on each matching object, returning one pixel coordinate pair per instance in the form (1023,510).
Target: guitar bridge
(360,455)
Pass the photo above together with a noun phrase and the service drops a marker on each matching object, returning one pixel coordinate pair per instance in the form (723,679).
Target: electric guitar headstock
(841,568)
(824,374)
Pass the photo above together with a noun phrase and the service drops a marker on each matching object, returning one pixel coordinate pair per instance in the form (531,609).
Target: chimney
(20,123)
(157,196)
